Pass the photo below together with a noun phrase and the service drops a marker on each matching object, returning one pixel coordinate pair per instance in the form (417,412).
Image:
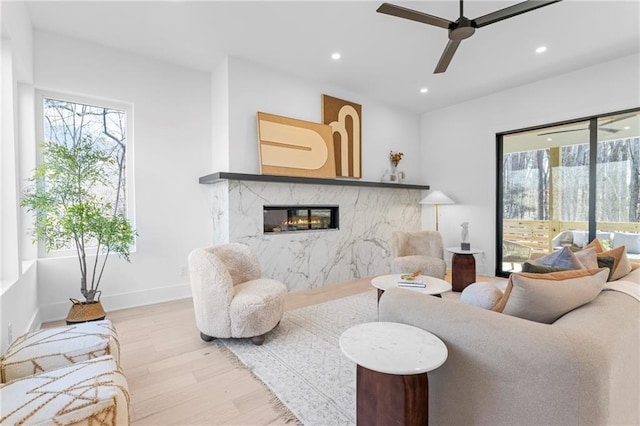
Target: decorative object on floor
(301,361)
(291,147)
(436,198)
(463,267)
(68,213)
(463,27)
(230,296)
(93,392)
(85,311)
(464,237)
(421,250)
(52,348)
(345,119)
(392,360)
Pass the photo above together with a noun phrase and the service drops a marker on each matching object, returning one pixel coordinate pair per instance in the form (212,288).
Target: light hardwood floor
(176,378)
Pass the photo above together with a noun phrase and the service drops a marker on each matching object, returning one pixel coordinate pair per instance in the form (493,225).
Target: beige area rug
(301,361)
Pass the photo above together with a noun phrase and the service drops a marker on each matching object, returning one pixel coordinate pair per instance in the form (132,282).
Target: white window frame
(93,101)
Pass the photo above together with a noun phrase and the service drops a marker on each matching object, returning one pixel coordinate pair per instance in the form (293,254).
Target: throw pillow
(621,266)
(595,244)
(539,269)
(588,258)
(563,259)
(607,262)
(546,297)
(630,241)
(481,294)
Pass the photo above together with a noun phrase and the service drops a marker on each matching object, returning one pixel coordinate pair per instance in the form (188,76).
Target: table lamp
(437,198)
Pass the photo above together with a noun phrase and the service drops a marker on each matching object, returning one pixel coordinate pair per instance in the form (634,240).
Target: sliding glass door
(563,184)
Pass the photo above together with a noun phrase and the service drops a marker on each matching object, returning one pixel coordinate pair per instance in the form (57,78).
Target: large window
(565,184)
(67,120)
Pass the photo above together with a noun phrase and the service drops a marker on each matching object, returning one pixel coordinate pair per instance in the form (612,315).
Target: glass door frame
(593,154)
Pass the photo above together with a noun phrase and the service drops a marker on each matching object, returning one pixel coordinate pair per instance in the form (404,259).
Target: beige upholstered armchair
(230,297)
(412,251)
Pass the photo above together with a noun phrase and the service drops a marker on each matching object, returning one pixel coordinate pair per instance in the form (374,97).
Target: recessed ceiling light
(335,56)
(541,49)
(627,127)
(424,90)
(549,139)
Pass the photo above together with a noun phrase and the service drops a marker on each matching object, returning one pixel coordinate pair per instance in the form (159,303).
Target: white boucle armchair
(230,297)
(422,250)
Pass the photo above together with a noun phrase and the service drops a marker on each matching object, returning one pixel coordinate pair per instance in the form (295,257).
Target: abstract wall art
(345,119)
(290,147)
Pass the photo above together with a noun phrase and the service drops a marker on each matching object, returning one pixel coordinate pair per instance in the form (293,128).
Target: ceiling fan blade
(511,11)
(620,118)
(413,15)
(562,131)
(447,55)
(603,129)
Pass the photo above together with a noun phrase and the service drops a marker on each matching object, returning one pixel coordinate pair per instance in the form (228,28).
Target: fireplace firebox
(300,218)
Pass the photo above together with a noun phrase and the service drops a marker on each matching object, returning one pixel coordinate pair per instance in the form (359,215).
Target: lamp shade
(437,197)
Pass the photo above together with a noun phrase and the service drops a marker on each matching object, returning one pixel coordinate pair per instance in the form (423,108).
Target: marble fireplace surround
(369,212)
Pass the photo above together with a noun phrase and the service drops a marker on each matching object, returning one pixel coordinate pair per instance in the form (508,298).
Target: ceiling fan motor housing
(461,29)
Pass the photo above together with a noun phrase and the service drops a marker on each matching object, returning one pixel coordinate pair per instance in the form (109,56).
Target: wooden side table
(392,364)
(463,267)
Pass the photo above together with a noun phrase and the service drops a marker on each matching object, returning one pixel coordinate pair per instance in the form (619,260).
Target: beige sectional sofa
(503,370)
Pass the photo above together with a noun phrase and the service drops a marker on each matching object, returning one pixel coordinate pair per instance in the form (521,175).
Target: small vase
(393,176)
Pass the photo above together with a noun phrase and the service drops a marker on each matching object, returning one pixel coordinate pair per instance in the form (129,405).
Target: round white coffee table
(433,286)
(392,364)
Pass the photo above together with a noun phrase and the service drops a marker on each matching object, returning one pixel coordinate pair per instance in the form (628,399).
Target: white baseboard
(114,302)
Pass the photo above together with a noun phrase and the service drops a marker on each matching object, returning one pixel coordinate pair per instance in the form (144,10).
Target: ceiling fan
(601,127)
(463,27)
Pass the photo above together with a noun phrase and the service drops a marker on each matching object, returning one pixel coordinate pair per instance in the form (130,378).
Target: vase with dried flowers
(395,158)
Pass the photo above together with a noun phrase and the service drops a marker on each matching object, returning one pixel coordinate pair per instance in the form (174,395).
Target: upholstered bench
(92,392)
(51,348)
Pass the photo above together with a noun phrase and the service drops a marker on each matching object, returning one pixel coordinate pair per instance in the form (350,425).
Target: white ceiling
(383,57)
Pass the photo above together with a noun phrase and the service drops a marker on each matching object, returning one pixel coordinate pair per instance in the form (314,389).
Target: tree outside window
(71,124)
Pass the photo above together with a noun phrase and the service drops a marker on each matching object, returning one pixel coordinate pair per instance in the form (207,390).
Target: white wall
(172,148)
(254,88)
(459,143)
(18,278)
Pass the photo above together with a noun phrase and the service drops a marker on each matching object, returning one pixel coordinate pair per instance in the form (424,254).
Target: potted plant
(70,196)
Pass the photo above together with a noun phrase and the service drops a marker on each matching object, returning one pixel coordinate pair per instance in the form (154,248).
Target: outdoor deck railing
(538,234)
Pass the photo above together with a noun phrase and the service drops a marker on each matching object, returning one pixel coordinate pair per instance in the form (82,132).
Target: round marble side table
(463,267)
(392,364)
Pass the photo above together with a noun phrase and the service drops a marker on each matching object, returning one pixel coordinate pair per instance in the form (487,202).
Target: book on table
(413,283)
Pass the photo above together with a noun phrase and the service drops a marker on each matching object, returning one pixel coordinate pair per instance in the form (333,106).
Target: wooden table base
(463,271)
(388,399)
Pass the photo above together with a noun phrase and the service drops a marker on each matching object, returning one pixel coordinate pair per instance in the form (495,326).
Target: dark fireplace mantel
(220,176)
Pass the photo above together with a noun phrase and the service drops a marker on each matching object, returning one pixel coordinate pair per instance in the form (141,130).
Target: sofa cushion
(607,262)
(539,269)
(588,257)
(57,347)
(481,294)
(630,241)
(92,392)
(546,297)
(621,266)
(563,259)
(596,244)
